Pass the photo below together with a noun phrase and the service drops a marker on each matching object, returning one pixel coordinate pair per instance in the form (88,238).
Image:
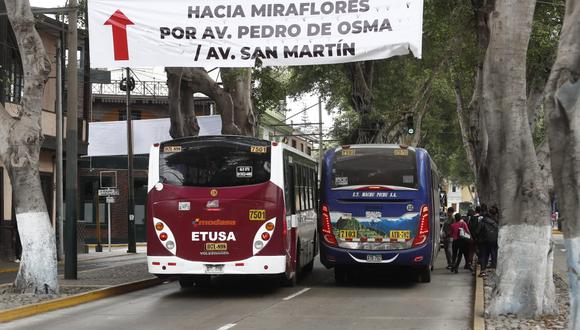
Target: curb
(51,305)
(9,270)
(478,306)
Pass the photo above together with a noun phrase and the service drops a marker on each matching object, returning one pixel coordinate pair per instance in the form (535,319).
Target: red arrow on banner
(119,23)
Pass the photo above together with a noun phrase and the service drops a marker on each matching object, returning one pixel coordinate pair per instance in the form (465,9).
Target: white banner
(234,33)
(109,138)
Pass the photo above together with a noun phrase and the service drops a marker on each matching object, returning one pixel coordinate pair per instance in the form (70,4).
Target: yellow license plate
(401,152)
(257,215)
(258,149)
(347,234)
(216,246)
(400,234)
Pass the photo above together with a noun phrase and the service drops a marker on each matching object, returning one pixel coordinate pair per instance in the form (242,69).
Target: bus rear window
(374,166)
(215,163)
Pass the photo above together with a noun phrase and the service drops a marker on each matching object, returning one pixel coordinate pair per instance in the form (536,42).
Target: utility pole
(59,181)
(131,246)
(70,265)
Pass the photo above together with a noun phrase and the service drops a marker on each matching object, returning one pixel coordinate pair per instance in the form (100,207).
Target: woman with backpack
(461,237)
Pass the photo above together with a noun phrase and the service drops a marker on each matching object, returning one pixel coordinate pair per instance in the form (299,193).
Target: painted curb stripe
(9,270)
(51,305)
(478,308)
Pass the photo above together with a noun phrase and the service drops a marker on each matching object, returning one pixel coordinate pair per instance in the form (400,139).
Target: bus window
(375,166)
(290,190)
(297,188)
(213,165)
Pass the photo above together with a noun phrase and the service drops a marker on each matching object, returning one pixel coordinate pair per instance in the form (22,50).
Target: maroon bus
(220,205)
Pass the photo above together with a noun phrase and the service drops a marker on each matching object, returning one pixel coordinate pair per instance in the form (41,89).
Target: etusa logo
(213,236)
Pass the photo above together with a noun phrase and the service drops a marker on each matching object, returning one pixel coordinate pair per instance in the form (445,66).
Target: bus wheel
(185,282)
(424,275)
(340,275)
(202,281)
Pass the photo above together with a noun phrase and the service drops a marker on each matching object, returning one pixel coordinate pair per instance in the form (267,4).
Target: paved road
(375,301)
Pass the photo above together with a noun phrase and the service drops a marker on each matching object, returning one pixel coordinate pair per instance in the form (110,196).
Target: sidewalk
(99,275)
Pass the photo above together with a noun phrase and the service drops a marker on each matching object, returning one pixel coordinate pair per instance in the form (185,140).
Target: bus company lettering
(217,222)
(213,236)
(374,194)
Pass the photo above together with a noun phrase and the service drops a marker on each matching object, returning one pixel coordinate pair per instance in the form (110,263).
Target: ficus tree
(563,123)
(20,142)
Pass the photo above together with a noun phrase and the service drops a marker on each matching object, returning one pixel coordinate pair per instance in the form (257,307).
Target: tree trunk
(21,138)
(563,118)
(238,83)
(182,84)
(174,100)
(190,126)
(361,76)
(525,285)
(463,126)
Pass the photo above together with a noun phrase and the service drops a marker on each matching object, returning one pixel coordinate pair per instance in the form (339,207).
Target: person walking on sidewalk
(460,242)
(472,223)
(489,229)
(447,240)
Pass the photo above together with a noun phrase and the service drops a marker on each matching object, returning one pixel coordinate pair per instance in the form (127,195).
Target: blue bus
(379,208)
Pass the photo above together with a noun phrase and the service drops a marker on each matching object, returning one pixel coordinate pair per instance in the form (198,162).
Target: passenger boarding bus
(220,205)
(379,208)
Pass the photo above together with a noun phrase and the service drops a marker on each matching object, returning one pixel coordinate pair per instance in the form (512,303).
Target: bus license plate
(214,269)
(216,246)
(347,234)
(400,234)
(374,258)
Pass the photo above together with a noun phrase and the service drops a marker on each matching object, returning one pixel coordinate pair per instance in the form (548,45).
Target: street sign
(208,33)
(108,192)
(110,200)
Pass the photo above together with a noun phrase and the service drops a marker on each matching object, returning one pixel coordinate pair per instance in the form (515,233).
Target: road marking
(227,326)
(563,250)
(296,294)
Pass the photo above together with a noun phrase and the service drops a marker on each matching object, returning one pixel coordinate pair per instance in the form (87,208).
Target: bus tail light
(263,235)
(423,227)
(327,227)
(165,235)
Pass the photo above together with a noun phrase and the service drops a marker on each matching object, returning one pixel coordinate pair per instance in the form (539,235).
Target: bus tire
(340,275)
(202,281)
(185,282)
(424,275)
(310,266)
(288,282)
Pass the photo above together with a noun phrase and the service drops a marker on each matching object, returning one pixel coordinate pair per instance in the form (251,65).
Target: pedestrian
(460,242)
(472,224)
(447,240)
(488,233)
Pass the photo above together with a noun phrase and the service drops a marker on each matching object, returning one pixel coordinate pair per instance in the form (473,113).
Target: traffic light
(410,125)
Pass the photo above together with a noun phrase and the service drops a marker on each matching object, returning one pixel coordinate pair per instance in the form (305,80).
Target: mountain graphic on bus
(366,227)
(354,224)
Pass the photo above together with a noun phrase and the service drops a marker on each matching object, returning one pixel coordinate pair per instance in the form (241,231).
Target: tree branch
(463,124)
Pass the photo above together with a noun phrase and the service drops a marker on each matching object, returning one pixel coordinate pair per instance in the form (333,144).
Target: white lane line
(296,294)
(227,326)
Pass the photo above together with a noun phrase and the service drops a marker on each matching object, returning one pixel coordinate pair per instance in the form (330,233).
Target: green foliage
(270,88)
(451,55)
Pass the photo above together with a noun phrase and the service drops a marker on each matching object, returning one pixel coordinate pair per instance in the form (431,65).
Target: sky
(294,106)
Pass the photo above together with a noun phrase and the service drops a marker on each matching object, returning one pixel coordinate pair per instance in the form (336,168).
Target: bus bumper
(254,265)
(415,257)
